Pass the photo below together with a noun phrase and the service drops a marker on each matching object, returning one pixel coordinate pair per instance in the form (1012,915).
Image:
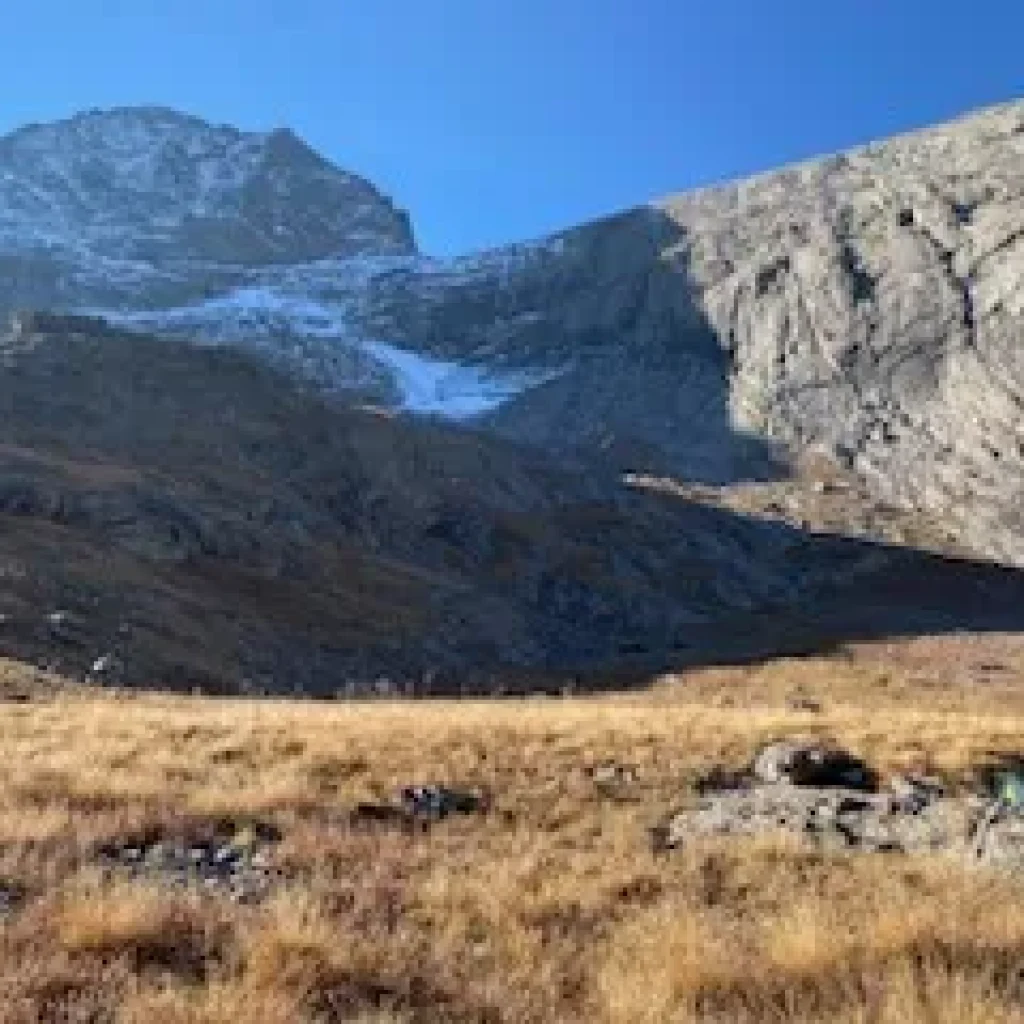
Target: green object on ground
(1010,788)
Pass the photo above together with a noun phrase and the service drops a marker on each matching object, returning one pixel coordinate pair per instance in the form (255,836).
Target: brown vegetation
(550,907)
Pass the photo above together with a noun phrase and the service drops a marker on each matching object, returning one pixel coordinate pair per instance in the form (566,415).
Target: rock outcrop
(867,306)
(829,797)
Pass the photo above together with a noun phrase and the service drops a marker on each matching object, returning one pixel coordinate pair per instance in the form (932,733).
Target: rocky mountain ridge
(832,348)
(865,307)
(142,204)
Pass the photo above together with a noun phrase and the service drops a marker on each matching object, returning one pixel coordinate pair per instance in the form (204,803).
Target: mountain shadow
(186,518)
(846,590)
(639,379)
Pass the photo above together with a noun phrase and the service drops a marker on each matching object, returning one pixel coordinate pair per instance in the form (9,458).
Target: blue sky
(499,121)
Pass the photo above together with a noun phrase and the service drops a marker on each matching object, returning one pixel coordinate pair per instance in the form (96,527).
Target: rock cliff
(867,307)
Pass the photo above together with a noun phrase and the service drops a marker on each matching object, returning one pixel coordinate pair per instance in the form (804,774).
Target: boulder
(436,802)
(811,763)
(998,837)
(419,807)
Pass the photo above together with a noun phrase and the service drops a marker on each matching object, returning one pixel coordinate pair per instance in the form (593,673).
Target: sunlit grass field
(552,906)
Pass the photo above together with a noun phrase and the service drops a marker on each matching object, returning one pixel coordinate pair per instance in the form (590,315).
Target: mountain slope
(867,306)
(862,309)
(201,519)
(179,516)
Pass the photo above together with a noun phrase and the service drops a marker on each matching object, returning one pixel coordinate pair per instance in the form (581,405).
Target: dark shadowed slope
(179,516)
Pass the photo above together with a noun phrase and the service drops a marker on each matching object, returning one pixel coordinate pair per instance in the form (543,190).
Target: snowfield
(439,388)
(308,335)
(168,225)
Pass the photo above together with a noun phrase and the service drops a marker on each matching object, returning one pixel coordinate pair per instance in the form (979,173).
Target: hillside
(184,516)
(196,518)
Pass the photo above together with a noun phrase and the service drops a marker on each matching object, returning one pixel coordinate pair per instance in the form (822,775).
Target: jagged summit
(140,113)
(157,186)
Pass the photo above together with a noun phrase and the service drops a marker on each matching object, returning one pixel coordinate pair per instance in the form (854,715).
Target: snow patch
(436,387)
(241,311)
(267,320)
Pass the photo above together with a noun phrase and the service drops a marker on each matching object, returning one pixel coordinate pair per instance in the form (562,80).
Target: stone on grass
(812,763)
(207,858)
(436,802)
(612,778)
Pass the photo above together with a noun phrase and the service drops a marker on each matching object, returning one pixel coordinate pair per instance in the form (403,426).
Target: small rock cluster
(236,858)
(614,780)
(234,861)
(421,806)
(830,798)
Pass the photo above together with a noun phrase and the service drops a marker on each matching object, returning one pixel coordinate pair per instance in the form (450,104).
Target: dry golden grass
(550,908)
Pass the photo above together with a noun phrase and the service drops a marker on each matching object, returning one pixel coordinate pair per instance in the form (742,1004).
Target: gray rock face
(872,303)
(148,205)
(970,830)
(868,306)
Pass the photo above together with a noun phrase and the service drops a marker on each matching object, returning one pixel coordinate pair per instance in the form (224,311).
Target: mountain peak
(122,127)
(153,184)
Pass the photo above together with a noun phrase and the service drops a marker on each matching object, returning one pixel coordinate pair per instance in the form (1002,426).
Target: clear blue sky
(493,121)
